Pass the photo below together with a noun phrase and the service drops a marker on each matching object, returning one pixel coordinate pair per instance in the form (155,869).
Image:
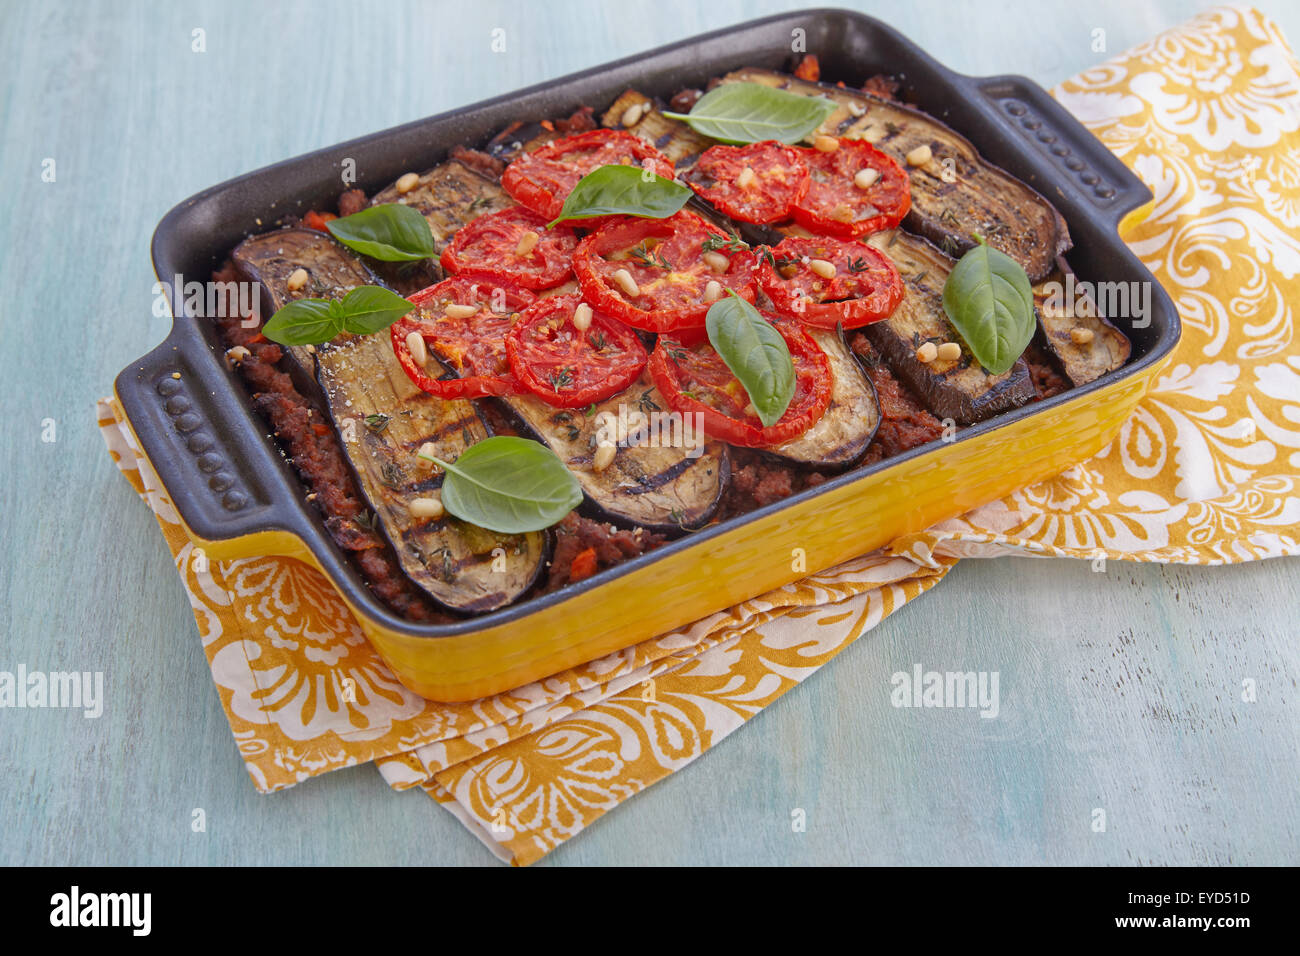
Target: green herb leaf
(989,302)
(389,232)
(752,112)
(755,352)
(304,322)
(510,485)
(370,308)
(623,190)
(363,311)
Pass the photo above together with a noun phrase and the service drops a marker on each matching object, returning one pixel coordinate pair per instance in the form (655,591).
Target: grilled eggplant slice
(956,193)
(661,489)
(332,272)
(1080,362)
(383,420)
(843,433)
(677,141)
(962,390)
(448,196)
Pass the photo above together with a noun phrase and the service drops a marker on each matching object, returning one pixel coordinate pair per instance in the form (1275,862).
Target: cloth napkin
(1204,472)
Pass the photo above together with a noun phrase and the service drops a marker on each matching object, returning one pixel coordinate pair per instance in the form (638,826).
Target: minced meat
(574,535)
(315,453)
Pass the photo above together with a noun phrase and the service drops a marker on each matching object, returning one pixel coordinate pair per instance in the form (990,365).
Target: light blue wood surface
(1120,690)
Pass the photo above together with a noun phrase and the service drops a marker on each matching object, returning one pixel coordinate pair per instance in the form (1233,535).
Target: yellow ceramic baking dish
(237,497)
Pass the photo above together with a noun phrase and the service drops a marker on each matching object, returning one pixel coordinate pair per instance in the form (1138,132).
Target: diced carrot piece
(316,220)
(583,566)
(809,69)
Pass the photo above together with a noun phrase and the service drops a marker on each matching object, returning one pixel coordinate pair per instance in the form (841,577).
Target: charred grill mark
(648,483)
(466,425)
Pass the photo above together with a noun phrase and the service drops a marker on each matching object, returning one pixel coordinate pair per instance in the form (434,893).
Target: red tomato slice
(489,247)
(567,367)
(777,179)
(473,347)
(665,259)
(543,179)
(694,379)
(866,286)
(835,205)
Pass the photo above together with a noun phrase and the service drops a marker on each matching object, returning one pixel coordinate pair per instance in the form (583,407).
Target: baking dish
(237,496)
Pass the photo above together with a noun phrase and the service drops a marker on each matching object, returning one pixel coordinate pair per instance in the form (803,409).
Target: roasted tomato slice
(836,205)
(755,183)
(472,346)
(515,245)
(865,287)
(543,179)
(653,274)
(570,367)
(694,379)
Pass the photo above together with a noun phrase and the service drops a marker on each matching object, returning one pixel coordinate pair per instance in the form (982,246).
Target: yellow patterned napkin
(1203,472)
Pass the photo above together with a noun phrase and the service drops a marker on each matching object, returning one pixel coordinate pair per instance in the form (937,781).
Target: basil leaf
(371,308)
(755,352)
(752,112)
(989,302)
(363,311)
(510,485)
(389,232)
(623,190)
(305,322)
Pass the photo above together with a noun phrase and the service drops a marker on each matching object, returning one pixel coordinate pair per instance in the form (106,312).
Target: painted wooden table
(1120,690)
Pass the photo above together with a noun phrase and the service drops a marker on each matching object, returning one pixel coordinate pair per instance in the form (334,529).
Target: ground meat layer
(308,439)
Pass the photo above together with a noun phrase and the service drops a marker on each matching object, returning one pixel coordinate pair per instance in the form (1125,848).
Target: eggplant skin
(957,192)
(1079,362)
(462,567)
(961,390)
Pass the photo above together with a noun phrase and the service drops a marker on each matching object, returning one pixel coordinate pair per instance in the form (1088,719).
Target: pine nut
(866,178)
(425,455)
(426,508)
(826,144)
(746,177)
(713,291)
(823,268)
(627,283)
(527,243)
(415,345)
(455,311)
(919,156)
(237,354)
(604,456)
(632,114)
(857,109)
(949,352)
(927,353)
(407,182)
(297,279)
(717,262)
(582,317)
(1080,335)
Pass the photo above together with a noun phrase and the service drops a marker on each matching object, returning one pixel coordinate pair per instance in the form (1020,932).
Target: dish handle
(219,469)
(1081,169)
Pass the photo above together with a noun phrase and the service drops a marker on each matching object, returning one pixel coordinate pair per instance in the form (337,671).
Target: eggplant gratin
(579,283)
